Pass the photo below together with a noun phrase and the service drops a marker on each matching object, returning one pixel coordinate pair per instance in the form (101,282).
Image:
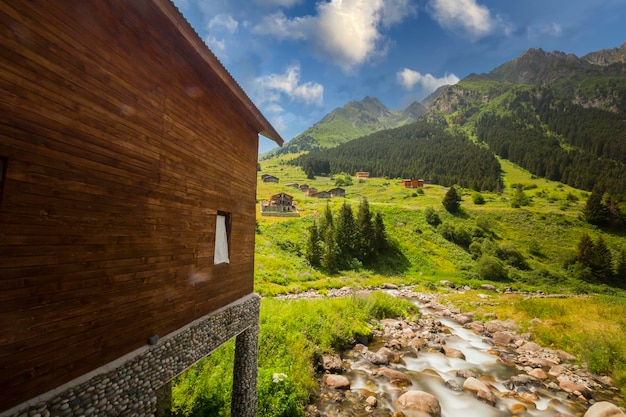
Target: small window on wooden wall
(3,174)
(222,238)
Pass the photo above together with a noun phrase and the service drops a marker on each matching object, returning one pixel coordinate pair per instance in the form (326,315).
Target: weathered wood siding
(121,146)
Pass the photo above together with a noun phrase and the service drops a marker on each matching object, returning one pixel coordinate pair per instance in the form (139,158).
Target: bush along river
(448,365)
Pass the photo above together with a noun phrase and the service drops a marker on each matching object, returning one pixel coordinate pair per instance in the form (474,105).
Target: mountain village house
(362,174)
(412,183)
(128,157)
(280,204)
(337,192)
(269,178)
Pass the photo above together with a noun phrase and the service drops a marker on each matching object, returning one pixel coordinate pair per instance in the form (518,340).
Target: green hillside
(355,119)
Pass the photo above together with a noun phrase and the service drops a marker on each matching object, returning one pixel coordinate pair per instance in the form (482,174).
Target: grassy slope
(551,224)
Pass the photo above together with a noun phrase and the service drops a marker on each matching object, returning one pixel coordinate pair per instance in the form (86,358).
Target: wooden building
(321,194)
(127,205)
(362,175)
(279,204)
(412,183)
(337,192)
(269,178)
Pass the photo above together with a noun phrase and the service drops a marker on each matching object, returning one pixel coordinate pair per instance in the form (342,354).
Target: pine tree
(331,251)
(313,249)
(595,212)
(520,198)
(451,200)
(346,233)
(602,261)
(380,234)
(620,272)
(326,220)
(585,250)
(365,232)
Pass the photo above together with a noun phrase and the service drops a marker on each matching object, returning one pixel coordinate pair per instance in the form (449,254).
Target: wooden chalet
(279,204)
(362,174)
(412,183)
(321,194)
(269,178)
(128,159)
(303,187)
(337,192)
(310,191)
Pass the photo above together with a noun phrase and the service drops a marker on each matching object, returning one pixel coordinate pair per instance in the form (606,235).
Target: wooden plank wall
(121,146)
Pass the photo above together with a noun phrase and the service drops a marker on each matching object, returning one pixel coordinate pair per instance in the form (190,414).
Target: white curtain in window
(221,241)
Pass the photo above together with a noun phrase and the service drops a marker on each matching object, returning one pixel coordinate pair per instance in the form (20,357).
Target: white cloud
(281,27)
(409,78)
(348,31)
(223,22)
(537,32)
(218,46)
(469,17)
(271,87)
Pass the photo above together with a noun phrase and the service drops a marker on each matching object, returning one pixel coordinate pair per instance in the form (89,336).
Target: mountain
(557,115)
(355,119)
(538,67)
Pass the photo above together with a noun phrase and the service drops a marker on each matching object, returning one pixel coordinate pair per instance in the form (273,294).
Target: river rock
(529,347)
(564,356)
(476,327)
(538,373)
(332,363)
(604,409)
(453,353)
(481,390)
(572,387)
(336,381)
(447,283)
(453,385)
(382,357)
(500,326)
(556,371)
(488,287)
(371,401)
(503,338)
(419,401)
(395,377)
(463,319)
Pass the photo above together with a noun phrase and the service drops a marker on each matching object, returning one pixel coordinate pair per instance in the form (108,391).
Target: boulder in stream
(604,409)
(336,381)
(395,377)
(419,401)
(482,391)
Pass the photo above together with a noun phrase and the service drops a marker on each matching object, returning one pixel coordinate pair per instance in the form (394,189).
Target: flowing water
(429,370)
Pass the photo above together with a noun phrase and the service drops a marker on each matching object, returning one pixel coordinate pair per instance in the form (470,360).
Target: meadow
(535,244)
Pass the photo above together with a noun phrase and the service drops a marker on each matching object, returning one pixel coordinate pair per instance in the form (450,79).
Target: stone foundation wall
(128,386)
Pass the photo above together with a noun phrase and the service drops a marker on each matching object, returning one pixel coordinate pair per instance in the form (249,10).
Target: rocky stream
(448,365)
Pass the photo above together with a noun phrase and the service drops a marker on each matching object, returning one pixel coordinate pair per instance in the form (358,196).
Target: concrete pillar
(244,399)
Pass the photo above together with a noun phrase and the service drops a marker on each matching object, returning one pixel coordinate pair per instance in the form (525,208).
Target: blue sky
(299,59)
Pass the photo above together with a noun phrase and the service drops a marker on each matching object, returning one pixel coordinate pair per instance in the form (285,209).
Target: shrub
(432,218)
(491,269)
(478,199)
(509,254)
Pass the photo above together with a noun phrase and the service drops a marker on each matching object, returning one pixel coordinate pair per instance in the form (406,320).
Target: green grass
(592,328)
(293,335)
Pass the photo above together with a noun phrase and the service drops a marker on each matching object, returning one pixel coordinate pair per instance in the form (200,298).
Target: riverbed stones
(480,389)
(395,377)
(337,381)
(503,338)
(419,401)
(573,387)
(604,409)
(332,363)
(453,353)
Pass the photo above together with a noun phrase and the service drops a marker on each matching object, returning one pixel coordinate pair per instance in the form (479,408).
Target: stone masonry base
(128,386)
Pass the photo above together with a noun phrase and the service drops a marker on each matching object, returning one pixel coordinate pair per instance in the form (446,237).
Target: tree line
(560,141)
(421,149)
(343,241)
